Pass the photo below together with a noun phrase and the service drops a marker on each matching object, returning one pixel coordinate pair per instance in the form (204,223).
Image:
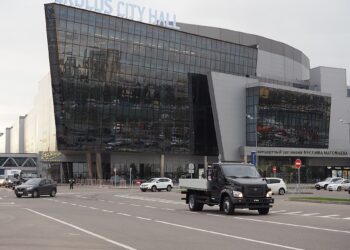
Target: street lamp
(255,117)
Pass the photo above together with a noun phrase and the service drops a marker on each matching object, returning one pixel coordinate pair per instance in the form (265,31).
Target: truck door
(217,182)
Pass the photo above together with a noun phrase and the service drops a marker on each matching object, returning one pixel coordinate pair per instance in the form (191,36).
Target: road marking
(63,202)
(294,225)
(293,213)
(102,200)
(83,230)
(128,215)
(328,216)
(82,206)
(93,208)
(135,205)
(150,207)
(107,211)
(279,211)
(347,218)
(150,199)
(216,215)
(142,218)
(168,209)
(121,203)
(7,203)
(310,214)
(227,235)
(0,198)
(73,204)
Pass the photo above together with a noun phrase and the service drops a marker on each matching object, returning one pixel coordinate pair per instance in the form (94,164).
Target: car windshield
(151,180)
(240,171)
(33,181)
(337,181)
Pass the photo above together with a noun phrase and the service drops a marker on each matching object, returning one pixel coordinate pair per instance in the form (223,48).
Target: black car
(36,187)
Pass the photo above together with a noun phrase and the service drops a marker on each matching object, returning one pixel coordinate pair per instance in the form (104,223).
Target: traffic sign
(274,169)
(297,163)
(191,166)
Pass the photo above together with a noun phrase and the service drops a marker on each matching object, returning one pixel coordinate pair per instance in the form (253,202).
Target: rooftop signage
(125,10)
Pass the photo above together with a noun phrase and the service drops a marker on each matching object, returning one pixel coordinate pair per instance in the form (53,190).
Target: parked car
(346,186)
(277,185)
(323,184)
(36,187)
(336,186)
(2,181)
(157,184)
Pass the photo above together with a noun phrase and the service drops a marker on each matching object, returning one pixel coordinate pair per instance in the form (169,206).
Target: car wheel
(154,189)
(227,206)
(168,188)
(193,203)
(53,193)
(325,187)
(281,191)
(36,194)
(264,210)
(18,195)
(318,188)
(143,190)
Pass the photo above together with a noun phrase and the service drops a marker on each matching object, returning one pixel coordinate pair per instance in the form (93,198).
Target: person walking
(71,183)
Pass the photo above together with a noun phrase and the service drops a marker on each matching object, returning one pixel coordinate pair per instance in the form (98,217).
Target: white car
(277,185)
(346,186)
(337,185)
(157,184)
(326,182)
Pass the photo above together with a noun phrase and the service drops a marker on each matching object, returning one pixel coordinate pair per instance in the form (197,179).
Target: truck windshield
(240,171)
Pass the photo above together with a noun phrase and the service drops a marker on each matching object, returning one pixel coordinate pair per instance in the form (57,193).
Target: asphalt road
(102,218)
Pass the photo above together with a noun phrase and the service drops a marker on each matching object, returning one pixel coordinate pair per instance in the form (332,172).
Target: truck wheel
(228,206)
(193,204)
(264,210)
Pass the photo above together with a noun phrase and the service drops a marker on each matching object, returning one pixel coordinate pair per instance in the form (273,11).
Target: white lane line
(293,213)
(168,209)
(150,207)
(111,201)
(328,216)
(82,206)
(227,235)
(135,205)
(347,218)
(128,215)
(216,215)
(294,225)
(102,200)
(312,214)
(93,208)
(83,230)
(63,202)
(107,211)
(73,204)
(279,211)
(7,203)
(0,198)
(142,218)
(121,203)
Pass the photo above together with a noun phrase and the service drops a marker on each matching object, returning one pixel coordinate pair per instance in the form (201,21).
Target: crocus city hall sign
(125,10)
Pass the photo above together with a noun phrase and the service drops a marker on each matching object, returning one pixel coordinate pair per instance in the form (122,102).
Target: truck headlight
(269,194)
(237,194)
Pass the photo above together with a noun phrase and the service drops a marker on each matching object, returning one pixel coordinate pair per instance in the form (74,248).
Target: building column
(89,165)
(161,165)
(99,165)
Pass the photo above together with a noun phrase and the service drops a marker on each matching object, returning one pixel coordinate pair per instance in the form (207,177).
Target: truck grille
(254,191)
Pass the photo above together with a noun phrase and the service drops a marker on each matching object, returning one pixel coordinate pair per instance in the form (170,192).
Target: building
(130,95)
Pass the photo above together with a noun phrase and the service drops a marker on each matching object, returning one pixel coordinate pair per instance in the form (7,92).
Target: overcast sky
(319,28)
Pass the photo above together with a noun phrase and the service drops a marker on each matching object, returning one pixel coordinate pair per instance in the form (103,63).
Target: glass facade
(287,119)
(121,85)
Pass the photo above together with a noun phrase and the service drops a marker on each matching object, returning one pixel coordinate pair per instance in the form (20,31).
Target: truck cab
(231,186)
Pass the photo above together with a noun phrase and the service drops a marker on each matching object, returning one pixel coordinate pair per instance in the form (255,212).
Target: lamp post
(255,117)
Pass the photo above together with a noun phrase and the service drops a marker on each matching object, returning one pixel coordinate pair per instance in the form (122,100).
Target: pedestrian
(71,183)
